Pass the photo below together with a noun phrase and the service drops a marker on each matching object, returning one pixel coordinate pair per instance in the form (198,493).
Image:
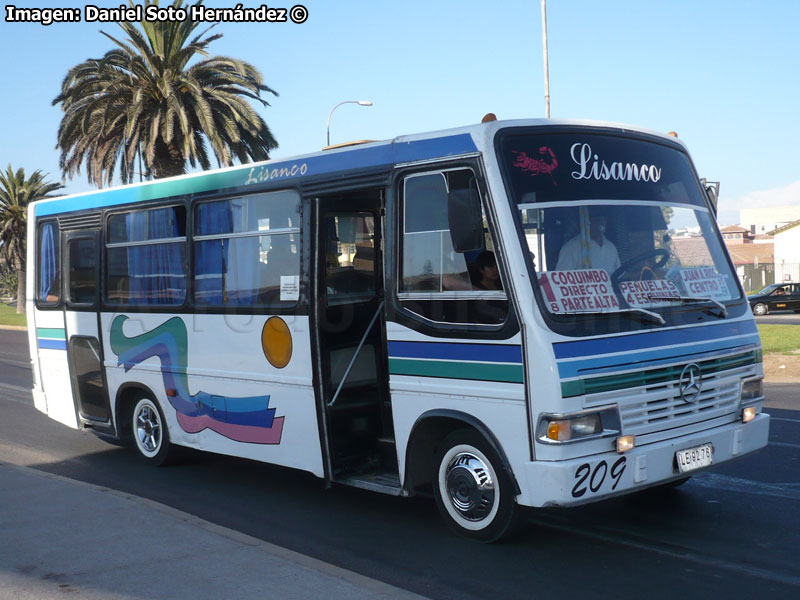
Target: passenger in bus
(602,254)
(487,275)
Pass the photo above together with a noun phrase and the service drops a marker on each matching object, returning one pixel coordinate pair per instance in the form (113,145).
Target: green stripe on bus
(456,370)
(652,377)
(53,334)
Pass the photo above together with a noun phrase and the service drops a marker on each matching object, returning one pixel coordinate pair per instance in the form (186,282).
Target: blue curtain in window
(156,271)
(242,269)
(139,288)
(49,262)
(211,255)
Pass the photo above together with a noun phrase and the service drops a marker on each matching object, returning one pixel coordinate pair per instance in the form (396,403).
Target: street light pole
(359,102)
(546,61)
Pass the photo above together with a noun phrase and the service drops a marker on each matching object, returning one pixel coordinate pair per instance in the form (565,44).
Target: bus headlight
(752,390)
(578,426)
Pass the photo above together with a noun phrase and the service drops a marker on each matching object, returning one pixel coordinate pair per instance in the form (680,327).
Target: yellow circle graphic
(276,340)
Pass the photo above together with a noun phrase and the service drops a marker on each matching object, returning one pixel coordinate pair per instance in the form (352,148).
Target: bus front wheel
(149,429)
(472,490)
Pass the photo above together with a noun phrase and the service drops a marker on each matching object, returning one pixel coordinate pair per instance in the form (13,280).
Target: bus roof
(383,154)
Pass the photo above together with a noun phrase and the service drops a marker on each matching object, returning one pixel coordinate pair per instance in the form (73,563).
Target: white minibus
(517,313)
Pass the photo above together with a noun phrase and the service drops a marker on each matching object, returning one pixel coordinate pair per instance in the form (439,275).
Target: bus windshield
(616,225)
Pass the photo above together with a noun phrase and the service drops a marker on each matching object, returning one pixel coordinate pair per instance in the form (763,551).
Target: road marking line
(15,388)
(613,537)
(747,486)
(783,419)
(784,445)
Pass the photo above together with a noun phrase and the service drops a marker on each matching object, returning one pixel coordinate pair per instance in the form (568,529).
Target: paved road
(733,531)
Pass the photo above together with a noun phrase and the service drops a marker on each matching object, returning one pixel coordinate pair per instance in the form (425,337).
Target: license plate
(694,458)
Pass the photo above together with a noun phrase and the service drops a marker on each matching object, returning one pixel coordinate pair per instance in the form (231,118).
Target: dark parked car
(778,296)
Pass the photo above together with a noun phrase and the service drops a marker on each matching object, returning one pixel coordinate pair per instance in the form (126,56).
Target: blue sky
(724,74)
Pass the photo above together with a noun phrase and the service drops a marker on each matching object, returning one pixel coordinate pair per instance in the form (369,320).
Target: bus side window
(245,248)
(435,281)
(48,291)
(146,257)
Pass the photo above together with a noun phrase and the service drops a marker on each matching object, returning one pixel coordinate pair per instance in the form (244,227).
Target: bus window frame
(576,325)
(40,304)
(184,307)
(67,274)
(299,231)
(395,311)
(189,201)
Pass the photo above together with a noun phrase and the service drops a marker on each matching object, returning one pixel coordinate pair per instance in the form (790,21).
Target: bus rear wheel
(150,434)
(473,492)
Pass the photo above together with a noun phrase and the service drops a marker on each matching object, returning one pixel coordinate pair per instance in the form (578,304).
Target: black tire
(760,309)
(473,492)
(150,432)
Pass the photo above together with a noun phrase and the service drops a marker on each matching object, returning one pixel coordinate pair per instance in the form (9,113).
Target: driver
(602,253)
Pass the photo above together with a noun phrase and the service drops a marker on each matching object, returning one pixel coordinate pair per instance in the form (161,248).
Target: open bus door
(351,341)
(84,349)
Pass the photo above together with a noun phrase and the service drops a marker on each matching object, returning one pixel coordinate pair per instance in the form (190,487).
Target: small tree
(16,192)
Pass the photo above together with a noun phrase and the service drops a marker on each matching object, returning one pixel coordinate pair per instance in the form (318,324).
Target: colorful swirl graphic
(248,419)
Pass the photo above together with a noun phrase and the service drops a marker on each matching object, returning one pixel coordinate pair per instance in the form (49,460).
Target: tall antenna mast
(546,62)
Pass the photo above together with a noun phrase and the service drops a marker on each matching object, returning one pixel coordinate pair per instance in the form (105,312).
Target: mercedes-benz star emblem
(690,382)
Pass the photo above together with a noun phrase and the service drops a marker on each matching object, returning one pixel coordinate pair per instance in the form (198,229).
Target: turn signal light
(749,413)
(571,428)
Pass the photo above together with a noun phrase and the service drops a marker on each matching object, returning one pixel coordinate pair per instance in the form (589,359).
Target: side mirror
(466,220)
(712,191)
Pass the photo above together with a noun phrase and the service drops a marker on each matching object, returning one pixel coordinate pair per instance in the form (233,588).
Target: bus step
(384,483)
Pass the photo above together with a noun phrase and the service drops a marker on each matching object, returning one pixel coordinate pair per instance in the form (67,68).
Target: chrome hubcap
(148,429)
(469,486)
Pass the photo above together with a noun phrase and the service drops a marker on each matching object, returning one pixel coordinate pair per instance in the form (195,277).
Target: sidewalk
(61,538)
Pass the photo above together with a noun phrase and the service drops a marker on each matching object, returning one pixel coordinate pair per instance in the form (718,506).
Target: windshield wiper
(648,313)
(689,300)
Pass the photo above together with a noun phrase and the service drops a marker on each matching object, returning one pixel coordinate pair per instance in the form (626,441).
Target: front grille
(660,407)
(664,375)
(657,405)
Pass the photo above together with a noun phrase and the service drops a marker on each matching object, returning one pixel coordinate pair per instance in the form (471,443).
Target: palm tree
(143,99)
(16,192)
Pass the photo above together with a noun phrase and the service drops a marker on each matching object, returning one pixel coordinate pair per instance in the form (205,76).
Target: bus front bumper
(588,479)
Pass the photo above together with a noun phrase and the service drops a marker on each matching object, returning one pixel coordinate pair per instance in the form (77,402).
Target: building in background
(787,252)
(736,234)
(763,220)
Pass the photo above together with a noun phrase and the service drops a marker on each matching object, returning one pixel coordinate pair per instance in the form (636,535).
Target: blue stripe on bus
(655,357)
(52,344)
(496,353)
(652,339)
(383,155)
